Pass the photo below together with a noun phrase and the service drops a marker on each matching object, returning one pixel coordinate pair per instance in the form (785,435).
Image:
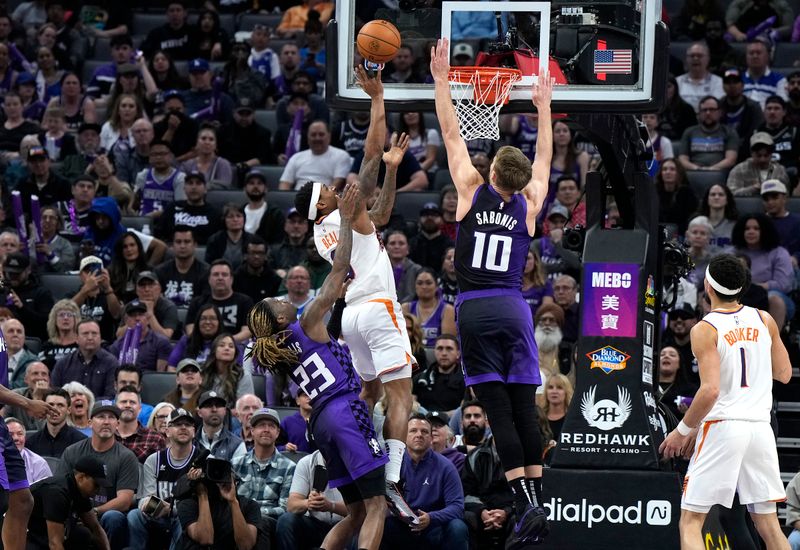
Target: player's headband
(718,287)
(312,208)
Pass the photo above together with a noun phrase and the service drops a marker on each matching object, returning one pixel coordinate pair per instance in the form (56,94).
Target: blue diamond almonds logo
(608,359)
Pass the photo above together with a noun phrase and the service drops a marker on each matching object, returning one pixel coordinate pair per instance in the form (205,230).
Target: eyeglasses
(208,319)
(162,417)
(709,110)
(66,315)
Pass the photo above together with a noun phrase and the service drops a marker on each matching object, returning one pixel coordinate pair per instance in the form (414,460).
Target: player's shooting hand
(542,91)
(349,200)
(440,60)
(399,146)
(372,86)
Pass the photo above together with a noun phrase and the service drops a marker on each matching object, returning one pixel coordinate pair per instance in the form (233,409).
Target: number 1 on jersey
(743,355)
(489,260)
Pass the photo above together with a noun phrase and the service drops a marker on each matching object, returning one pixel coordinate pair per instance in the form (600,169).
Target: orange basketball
(378,41)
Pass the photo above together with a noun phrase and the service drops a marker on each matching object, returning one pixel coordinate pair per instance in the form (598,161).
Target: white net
(479,95)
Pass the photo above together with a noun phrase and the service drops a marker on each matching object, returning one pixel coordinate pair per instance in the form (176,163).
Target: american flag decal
(613,61)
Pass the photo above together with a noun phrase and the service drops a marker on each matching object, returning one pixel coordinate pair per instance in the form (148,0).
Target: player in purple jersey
(497,220)
(12,468)
(340,420)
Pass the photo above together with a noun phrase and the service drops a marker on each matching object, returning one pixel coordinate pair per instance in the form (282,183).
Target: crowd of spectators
(122,137)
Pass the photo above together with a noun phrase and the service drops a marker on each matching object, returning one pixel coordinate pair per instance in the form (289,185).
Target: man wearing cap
(55,436)
(698,82)
(429,245)
(183,277)
(746,177)
(175,37)
(140,440)
(441,387)
(177,128)
(160,184)
(786,136)
(255,277)
(105,75)
(43,181)
(162,314)
(265,473)
(200,95)
(681,319)
(244,142)
(261,218)
(159,475)
(131,162)
(193,213)
(214,436)
(90,364)
(187,381)
(320,162)
(774,195)
(292,250)
(739,112)
(442,438)
(556,259)
(95,298)
(709,145)
(57,499)
(75,211)
(760,82)
(463,54)
(153,347)
(114,501)
(29,301)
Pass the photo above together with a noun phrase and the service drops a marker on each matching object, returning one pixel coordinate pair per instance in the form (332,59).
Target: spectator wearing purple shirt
(154,349)
(771,266)
(90,365)
(774,195)
(36,467)
(432,486)
(295,427)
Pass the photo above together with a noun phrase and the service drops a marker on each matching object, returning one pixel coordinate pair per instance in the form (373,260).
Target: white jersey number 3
(491,260)
(317,379)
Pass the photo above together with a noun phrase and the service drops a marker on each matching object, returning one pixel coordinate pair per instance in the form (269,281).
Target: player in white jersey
(372,323)
(739,352)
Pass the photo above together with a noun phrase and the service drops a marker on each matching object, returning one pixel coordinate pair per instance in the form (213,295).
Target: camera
(153,506)
(675,259)
(574,238)
(217,470)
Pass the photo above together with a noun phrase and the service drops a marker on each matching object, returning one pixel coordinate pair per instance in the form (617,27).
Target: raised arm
(536,190)
(382,209)
(311,320)
(376,134)
(465,177)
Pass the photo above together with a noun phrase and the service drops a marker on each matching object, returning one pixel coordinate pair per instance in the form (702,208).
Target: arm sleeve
(335,322)
(290,171)
(453,496)
(128,472)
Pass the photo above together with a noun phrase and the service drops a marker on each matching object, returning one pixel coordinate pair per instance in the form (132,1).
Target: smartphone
(153,506)
(96,269)
(320,478)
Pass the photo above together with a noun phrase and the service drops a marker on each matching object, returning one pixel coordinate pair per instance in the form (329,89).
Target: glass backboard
(607,56)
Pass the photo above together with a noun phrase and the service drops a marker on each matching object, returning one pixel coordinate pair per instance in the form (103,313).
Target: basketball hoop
(479,93)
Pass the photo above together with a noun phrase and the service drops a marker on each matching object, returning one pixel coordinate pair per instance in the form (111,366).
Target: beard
(794,95)
(473,434)
(547,339)
(254,196)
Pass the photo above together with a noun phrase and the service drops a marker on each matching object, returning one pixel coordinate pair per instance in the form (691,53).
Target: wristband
(683,429)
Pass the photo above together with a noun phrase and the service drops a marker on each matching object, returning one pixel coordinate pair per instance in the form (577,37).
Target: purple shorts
(495,328)
(345,436)
(12,466)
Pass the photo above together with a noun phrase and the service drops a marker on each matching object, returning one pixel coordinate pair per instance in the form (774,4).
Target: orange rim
(480,77)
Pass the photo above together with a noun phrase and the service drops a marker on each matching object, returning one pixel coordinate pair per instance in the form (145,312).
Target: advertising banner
(610,299)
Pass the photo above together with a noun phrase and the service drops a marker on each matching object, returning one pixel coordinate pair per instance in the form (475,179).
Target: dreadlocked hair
(268,350)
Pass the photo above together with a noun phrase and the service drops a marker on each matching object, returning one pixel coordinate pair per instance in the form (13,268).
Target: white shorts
(733,456)
(375,332)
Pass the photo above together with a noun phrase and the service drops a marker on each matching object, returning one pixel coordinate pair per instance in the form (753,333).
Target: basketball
(378,41)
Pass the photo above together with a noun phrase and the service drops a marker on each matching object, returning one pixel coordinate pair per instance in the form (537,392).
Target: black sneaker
(529,530)
(398,505)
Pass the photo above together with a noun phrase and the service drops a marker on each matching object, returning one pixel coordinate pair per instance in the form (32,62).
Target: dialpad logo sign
(608,359)
(606,414)
(656,512)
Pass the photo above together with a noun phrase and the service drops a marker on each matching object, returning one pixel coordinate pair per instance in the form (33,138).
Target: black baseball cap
(135,305)
(440,418)
(209,396)
(181,415)
(94,468)
(17,262)
(682,311)
(105,405)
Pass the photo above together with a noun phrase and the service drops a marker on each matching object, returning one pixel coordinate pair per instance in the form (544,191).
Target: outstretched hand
(349,201)
(373,87)
(394,156)
(440,60)
(542,91)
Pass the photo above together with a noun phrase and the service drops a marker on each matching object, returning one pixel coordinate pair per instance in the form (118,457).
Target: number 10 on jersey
(486,254)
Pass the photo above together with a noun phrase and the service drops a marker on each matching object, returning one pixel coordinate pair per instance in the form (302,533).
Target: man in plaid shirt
(130,432)
(266,475)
